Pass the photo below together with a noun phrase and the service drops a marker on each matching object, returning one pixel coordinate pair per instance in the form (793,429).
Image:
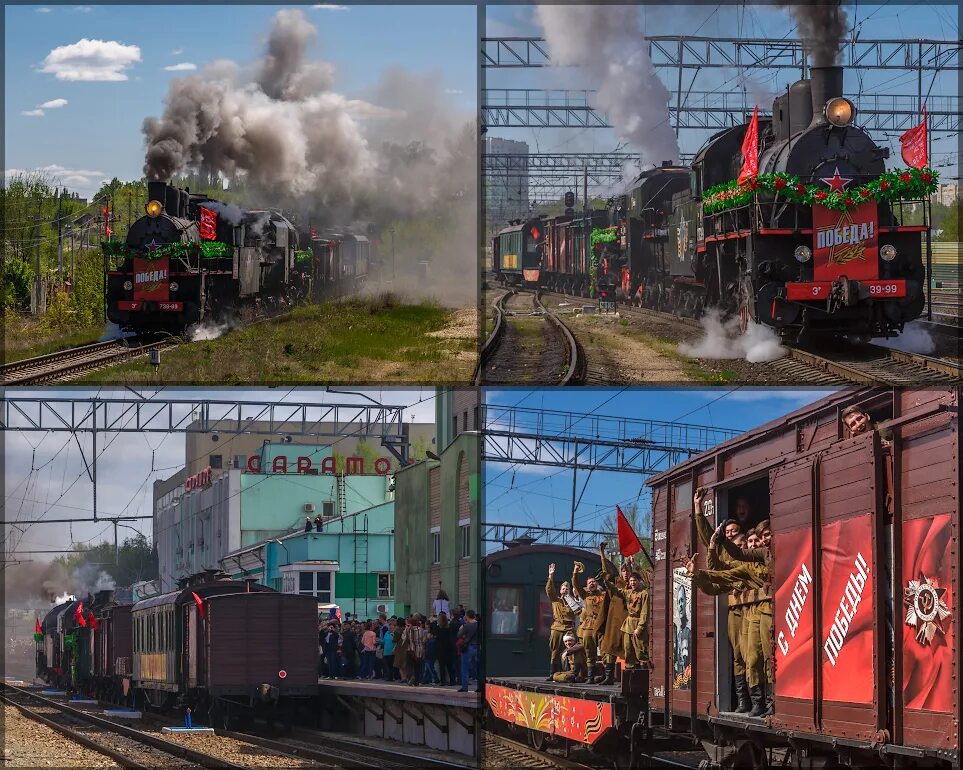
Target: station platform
(437,717)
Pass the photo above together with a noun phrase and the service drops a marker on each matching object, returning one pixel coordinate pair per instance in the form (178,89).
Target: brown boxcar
(256,640)
(865,584)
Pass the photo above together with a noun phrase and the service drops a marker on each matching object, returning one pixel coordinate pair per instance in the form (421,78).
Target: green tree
(950,223)
(133,561)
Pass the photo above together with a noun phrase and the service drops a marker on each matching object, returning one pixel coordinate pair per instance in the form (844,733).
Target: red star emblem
(836,182)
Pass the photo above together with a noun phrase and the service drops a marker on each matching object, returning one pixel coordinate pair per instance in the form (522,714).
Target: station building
(437,512)
(207,515)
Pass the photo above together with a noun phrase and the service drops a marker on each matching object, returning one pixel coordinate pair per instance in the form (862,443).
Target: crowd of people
(440,649)
(594,624)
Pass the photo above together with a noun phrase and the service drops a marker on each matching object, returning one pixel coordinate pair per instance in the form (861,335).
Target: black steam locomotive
(222,647)
(818,241)
(192,258)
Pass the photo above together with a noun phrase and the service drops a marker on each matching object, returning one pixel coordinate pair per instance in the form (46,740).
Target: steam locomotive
(192,258)
(819,240)
(223,647)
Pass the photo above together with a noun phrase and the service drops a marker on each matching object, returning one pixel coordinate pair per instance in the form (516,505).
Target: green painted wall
(412,559)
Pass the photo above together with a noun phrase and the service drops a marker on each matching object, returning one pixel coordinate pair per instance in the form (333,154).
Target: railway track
(868,364)
(530,344)
(128,746)
(68,364)
(500,753)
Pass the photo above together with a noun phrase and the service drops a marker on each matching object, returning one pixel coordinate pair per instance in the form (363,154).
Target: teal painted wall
(273,504)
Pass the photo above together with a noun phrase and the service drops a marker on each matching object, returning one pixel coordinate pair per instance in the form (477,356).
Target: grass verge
(371,340)
(26,338)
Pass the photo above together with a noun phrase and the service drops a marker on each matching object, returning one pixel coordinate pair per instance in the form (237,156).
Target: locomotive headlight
(888,252)
(154,208)
(128,285)
(840,111)
(174,286)
(803,253)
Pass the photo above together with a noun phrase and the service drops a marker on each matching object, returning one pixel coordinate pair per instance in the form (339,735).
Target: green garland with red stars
(199,250)
(909,184)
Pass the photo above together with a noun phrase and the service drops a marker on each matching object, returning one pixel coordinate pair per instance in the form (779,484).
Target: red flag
(200,604)
(91,620)
(914,145)
(37,628)
(208,224)
(629,542)
(750,150)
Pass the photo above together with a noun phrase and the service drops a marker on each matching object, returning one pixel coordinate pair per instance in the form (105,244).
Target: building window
(466,541)
(317,584)
(216,461)
(436,547)
(327,508)
(240,462)
(455,423)
(476,419)
(386,585)
(464,420)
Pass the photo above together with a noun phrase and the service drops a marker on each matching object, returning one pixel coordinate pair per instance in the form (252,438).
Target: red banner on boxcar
(793,621)
(927,607)
(152,280)
(847,610)
(844,242)
(573,718)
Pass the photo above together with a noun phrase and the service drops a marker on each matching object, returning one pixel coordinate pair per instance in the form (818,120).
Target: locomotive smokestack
(157,191)
(826,83)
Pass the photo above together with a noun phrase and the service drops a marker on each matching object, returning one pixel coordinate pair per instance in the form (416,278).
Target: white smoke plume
(722,339)
(294,143)
(605,41)
(207,330)
(914,339)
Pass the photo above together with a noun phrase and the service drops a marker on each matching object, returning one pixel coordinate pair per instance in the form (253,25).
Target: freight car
(516,253)
(865,585)
(332,264)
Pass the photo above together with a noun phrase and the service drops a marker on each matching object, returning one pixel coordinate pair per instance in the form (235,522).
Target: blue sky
(875,20)
(98,130)
(543,496)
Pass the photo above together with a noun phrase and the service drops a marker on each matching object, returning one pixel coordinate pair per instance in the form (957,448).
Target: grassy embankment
(371,340)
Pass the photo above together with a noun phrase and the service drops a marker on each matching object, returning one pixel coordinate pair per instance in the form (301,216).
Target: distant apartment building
(506,190)
(947,194)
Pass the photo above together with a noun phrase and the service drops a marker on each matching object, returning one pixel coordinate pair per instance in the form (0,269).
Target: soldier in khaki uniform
(635,627)
(592,619)
(611,641)
(751,577)
(719,559)
(563,619)
(574,667)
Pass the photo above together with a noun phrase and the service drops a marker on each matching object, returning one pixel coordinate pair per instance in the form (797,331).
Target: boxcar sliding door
(831,597)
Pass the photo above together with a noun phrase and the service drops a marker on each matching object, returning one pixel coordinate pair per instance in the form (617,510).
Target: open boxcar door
(831,601)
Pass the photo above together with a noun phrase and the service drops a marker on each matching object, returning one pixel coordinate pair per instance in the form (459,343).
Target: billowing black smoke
(822,25)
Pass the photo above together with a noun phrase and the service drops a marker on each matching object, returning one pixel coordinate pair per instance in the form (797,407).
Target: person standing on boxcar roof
(563,619)
(718,559)
(611,642)
(307,523)
(635,627)
(594,604)
(317,523)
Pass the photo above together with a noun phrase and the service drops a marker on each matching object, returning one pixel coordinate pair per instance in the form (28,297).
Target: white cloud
(83,9)
(42,10)
(177,51)
(330,7)
(32,113)
(185,66)
(92,60)
(53,104)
